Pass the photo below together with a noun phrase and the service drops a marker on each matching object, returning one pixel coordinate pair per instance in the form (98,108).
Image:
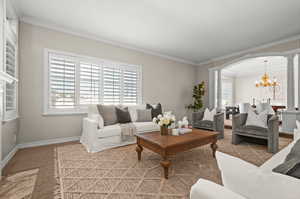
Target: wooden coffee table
(170,145)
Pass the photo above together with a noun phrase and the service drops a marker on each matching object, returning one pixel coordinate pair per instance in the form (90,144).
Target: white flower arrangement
(164,120)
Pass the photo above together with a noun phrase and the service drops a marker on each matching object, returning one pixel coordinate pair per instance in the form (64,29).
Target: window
(72,82)
(227,92)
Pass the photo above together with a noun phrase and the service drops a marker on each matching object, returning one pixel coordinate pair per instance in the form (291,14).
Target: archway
(291,89)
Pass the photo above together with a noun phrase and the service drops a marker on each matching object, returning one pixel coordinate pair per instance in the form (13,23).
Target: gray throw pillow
(144,115)
(123,115)
(291,164)
(155,110)
(108,112)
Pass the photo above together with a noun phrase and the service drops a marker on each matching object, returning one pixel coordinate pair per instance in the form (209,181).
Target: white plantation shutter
(61,81)
(111,85)
(90,77)
(130,85)
(10,67)
(10,59)
(73,82)
(10,98)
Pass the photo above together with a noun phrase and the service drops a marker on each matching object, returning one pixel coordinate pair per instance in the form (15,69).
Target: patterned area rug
(19,185)
(116,173)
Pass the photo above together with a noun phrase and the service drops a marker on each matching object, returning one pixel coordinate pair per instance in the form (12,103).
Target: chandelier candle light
(265,81)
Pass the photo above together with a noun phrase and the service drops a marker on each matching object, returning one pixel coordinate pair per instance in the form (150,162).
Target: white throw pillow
(263,107)
(254,119)
(209,115)
(254,183)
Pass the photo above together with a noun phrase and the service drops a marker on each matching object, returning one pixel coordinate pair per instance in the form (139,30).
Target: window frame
(78,108)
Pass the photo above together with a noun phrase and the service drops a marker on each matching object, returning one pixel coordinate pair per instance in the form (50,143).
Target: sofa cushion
(108,131)
(155,109)
(253,130)
(123,115)
(142,127)
(144,115)
(108,112)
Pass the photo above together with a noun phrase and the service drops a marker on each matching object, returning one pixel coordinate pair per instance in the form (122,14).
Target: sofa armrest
(204,189)
(89,133)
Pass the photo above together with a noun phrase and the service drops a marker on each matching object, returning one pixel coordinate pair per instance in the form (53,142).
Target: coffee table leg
(139,150)
(214,147)
(165,164)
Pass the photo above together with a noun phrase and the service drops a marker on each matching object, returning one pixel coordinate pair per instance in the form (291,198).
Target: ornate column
(211,88)
(219,90)
(290,115)
(290,83)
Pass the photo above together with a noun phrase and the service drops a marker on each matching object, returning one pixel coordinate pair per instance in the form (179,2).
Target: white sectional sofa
(243,180)
(97,137)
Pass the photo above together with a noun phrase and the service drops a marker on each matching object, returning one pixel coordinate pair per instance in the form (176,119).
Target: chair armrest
(273,124)
(89,133)
(219,121)
(204,189)
(236,121)
(219,116)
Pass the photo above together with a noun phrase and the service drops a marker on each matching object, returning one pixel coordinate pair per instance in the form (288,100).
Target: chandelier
(265,80)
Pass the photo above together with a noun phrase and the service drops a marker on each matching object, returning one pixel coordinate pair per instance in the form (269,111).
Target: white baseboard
(35,144)
(9,156)
(47,142)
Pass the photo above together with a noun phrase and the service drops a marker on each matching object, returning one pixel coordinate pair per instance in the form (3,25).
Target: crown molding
(250,50)
(36,22)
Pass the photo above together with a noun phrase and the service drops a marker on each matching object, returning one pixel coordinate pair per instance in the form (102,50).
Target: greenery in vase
(198,93)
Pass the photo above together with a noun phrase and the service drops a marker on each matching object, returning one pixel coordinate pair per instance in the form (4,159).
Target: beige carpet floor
(68,170)
(116,173)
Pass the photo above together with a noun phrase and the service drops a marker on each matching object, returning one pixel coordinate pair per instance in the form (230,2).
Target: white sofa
(97,137)
(243,180)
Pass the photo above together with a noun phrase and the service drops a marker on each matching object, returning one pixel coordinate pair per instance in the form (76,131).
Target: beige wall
(202,70)
(164,81)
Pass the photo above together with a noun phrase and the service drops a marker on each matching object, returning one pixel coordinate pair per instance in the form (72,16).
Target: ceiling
(256,66)
(194,30)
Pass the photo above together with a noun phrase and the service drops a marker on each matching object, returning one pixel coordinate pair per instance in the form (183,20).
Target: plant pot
(164,130)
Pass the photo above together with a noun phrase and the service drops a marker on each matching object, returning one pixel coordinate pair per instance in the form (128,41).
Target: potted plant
(198,93)
(164,121)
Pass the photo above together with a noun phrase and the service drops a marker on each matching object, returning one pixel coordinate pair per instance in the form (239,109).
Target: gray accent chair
(216,125)
(271,134)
